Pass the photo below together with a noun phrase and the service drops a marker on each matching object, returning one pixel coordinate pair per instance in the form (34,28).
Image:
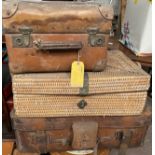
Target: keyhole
(19,41)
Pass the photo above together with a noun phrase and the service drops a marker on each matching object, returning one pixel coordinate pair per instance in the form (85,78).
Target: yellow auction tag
(136,1)
(77,74)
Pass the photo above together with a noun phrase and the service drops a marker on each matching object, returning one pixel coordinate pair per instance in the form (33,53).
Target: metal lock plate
(22,40)
(95,39)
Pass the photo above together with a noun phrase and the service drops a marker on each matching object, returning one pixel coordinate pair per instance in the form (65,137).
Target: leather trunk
(48,36)
(69,133)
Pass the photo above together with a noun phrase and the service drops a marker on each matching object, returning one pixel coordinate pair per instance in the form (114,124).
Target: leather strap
(84,135)
(85,90)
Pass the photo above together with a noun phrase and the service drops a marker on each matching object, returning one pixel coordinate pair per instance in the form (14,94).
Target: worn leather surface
(61,140)
(22,60)
(62,17)
(48,134)
(56,21)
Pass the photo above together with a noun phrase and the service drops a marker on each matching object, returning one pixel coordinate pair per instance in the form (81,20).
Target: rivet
(8,12)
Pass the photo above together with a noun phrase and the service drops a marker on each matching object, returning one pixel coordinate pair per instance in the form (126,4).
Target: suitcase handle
(58,45)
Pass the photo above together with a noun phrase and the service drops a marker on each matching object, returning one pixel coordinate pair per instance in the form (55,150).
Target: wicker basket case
(121,89)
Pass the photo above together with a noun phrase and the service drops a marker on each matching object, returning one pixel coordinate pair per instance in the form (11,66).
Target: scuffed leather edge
(106,11)
(9,8)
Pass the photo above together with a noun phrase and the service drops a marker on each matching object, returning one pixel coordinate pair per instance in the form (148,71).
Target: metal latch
(124,142)
(95,39)
(24,39)
(82,104)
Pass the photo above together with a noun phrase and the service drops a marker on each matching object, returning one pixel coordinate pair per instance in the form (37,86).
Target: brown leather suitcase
(48,36)
(78,133)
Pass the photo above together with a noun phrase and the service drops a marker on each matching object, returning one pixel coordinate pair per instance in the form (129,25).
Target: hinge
(95,39)
(24,39)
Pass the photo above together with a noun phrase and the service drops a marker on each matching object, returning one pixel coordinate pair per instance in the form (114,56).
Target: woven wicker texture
(121,75)
(97,105)
(119,90)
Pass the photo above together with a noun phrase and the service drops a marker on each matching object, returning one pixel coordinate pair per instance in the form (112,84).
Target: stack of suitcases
(108,111)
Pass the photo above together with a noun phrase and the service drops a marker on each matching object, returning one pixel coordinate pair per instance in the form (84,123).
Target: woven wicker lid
(120,75)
